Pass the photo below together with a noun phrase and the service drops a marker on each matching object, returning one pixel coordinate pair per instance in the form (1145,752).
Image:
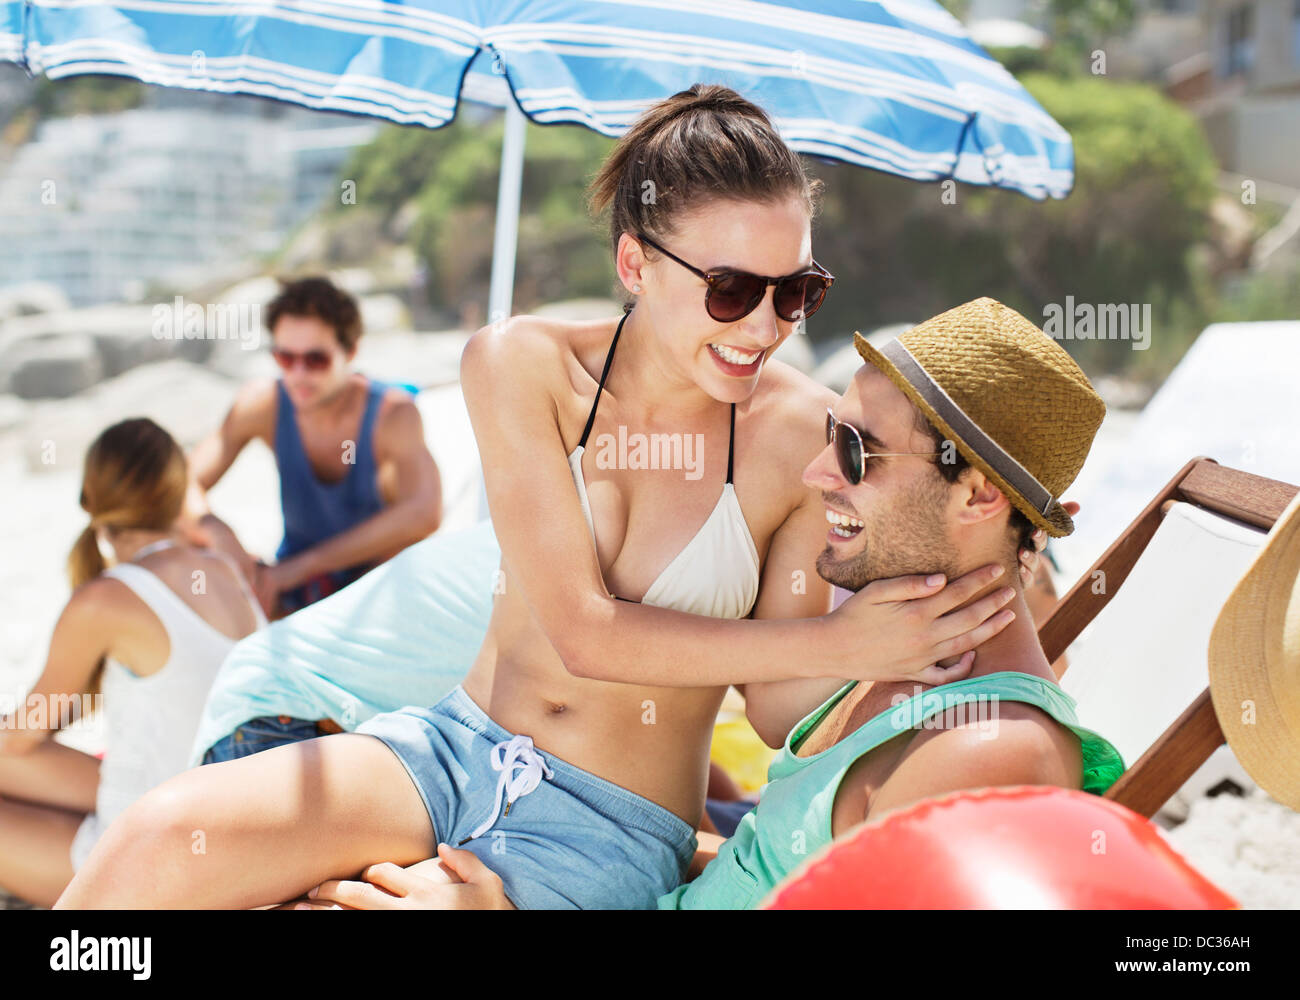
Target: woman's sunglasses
(851,454)
(735,294)
(313,361)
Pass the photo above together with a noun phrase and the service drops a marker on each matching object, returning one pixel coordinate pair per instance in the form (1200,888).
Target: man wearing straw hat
(952,444)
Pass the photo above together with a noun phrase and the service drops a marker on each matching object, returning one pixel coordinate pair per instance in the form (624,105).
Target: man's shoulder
(253,412)
(398,425)
(257,396)
(1001,742)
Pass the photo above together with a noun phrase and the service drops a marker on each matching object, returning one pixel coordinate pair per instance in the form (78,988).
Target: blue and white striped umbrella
(896,85)
(11,30)
(892,84)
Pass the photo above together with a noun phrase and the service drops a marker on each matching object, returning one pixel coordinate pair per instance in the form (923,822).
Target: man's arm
(415,512)
(250,416)
(1015,745)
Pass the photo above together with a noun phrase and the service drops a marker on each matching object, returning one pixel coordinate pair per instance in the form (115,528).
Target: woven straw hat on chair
(1255,663)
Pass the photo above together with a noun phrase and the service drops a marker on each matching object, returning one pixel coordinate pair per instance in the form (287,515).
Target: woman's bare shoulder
(559,357)
(788,397)
(101,602)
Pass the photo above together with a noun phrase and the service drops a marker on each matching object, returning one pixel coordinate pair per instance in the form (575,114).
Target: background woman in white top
(139,643)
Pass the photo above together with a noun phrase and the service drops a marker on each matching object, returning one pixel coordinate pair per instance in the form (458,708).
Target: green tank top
(793,818)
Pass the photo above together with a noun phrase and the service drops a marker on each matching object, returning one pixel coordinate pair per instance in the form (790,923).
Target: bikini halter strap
(600,387)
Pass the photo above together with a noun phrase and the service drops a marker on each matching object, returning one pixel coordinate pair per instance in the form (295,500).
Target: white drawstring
(509,756)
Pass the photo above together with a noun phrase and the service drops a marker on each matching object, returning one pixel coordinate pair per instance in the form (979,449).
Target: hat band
(955,417)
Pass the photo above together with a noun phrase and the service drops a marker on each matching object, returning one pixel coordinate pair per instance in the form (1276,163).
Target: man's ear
(981,499)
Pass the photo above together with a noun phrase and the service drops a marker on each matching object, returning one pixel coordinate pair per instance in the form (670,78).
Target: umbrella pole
(507,223)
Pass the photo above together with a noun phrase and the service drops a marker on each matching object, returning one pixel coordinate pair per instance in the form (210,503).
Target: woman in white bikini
(147,634)
(657,546)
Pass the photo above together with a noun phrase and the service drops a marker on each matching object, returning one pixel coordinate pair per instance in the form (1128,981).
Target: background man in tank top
(357,483)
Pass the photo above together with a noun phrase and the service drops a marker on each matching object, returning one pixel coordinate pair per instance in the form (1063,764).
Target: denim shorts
(574,841)
(260,734)
(318,588)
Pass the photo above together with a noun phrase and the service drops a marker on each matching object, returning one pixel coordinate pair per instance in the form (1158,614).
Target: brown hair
(702,143)
(950,471)
(318,297)
(135,477)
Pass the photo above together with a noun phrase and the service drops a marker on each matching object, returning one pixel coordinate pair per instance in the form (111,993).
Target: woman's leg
(51,774)
(35,850)
(259,830)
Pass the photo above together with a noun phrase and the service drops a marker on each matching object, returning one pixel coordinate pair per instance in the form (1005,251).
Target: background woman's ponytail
(135,477)
(85,561)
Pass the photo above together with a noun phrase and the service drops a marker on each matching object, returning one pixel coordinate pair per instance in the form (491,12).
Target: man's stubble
(909,537)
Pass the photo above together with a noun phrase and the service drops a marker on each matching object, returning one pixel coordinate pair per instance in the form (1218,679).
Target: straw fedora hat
(1007,395)
(1255,663)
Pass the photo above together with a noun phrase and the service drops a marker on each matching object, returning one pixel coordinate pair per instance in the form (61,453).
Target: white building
(103,205)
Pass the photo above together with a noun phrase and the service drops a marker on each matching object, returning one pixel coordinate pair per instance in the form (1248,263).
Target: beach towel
(406,633)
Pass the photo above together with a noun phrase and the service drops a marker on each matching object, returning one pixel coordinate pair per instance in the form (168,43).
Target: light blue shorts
(575,841)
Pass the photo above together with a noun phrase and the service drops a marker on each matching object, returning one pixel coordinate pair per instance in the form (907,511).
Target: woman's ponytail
(85,561)
(135,477)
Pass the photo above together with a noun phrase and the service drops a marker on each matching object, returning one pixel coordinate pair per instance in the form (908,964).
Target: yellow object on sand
(737,749)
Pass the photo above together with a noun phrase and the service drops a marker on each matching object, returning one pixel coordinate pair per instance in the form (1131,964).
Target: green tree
(1144,182)
(451,174)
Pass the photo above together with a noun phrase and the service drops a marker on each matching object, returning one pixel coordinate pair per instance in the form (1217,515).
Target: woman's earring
(636,288)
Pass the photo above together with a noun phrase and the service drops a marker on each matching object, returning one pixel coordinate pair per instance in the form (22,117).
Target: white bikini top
(717,572)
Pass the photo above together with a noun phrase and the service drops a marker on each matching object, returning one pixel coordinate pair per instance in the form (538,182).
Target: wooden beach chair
(1138,624)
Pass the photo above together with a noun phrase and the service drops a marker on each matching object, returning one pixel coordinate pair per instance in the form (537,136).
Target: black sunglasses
(733,295)
(851,454)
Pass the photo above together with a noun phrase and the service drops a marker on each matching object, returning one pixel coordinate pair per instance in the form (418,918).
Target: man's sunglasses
(313,361)
(851,454)
(735,294)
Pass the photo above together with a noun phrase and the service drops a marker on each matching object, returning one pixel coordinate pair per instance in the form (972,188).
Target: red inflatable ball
(1024,847)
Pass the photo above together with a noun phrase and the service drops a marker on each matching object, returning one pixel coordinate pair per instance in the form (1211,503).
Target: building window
(1239,56)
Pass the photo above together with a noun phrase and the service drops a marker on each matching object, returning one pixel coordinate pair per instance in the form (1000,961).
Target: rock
(31,297)
(13,411)
(403,221)
(122,350)
(836,370)
(420,359)
(55,367)
(383,314)
(187,400)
